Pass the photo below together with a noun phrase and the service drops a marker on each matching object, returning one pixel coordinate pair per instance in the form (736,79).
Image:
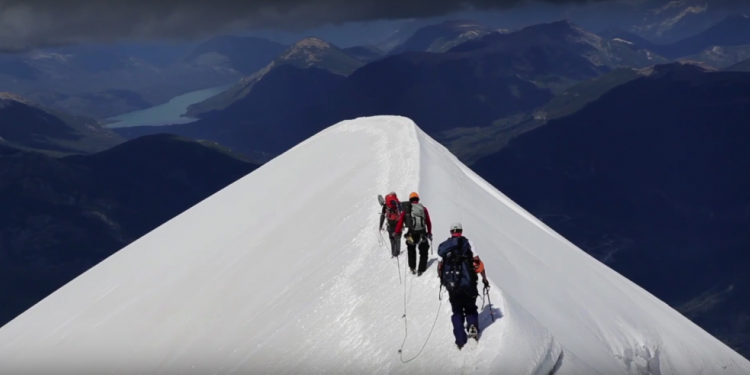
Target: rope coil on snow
(381,241)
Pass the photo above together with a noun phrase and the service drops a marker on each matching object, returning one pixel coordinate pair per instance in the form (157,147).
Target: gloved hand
(486,284)
(429,235)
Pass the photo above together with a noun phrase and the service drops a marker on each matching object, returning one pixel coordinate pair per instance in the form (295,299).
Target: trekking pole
(487,293)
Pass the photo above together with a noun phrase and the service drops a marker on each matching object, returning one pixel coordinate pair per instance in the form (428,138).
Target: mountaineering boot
(413,271)
(419,273)
(473,333)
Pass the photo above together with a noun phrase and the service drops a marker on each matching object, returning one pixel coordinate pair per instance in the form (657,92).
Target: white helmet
(456,227)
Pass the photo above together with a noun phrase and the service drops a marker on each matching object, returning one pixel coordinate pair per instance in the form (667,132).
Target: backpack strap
(461,240)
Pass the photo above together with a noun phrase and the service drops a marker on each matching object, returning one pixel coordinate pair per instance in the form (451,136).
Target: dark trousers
(395,239)
(420,240)
(464,309)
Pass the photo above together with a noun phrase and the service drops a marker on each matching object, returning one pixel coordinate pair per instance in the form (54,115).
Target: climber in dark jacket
(463,299)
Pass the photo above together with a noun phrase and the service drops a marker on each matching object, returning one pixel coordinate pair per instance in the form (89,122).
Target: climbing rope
(406,332)
(398,263)
(406,323)
(381,243)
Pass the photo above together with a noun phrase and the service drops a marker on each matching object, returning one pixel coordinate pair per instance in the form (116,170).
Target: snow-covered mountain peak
(284,272)
(315,52)
(308,49)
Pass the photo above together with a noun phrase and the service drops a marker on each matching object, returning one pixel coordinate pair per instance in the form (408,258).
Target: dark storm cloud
(27,24)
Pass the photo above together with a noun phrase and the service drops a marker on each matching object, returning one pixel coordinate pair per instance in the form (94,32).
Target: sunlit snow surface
(282,273)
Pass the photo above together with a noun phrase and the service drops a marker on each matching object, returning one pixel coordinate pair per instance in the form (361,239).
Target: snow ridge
(282,272)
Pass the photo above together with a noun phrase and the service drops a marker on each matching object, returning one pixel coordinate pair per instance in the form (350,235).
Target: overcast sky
(26,24)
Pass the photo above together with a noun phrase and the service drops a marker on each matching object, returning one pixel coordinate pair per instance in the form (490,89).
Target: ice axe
(487,293)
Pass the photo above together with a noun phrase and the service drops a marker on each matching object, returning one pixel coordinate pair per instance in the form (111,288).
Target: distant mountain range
(101,81)
(721,57)
(61,216)
(732,31)
(106,80)
(100,105)
(442,37)
(30,126)
(470,86)
(634,40)
(473,144)
(668,21)
(243,55)
(649,176)
(307,53)
(658,21)
(476,113)
(721,45)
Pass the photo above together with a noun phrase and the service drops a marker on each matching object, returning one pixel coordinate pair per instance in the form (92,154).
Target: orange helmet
(413,195)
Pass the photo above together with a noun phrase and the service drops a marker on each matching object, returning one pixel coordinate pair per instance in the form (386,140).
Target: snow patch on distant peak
(49,56)
(471,34)
(623,41)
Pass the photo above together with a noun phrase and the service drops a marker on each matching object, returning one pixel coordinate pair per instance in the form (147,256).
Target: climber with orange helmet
(417,219)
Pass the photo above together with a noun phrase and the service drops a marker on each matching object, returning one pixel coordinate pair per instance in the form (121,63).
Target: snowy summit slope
(282,272)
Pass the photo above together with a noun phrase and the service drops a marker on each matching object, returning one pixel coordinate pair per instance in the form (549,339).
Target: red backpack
(392,207)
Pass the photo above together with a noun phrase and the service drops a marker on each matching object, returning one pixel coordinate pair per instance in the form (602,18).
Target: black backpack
(406,209)
(458,273)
